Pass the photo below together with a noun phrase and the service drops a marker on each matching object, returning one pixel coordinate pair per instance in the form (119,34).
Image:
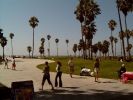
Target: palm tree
(99,45)
(41,50)
(48,37)
(129,47)
(33,23)
(11,35)
(121,43)
(29,49)
(79,49)
(79,15)
(86,12)
(94,49)
(105,47)
(1,34)
(112,24)
(128,33)
(42,44)
(89,32)
(81,43)
(121,30)
(75,49)
(42,40)
(56,41)
(115,41)
(67,41)
(3,42)
(126,6)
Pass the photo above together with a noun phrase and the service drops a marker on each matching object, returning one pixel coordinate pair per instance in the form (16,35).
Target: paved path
(76,87)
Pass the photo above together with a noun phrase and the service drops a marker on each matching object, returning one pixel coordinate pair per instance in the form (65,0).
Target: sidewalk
(76,88)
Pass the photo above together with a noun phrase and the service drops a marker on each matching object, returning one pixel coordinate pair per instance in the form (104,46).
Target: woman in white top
(58,74)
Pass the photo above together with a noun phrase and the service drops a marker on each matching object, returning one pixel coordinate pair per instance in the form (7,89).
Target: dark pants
(46,77)
(119,74)
(59,74)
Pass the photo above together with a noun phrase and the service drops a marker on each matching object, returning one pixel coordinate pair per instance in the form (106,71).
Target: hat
(123,65)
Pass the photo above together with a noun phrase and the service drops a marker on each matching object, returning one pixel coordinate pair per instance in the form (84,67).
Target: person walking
(13,64)
(46,76)
(96,69)
(58,74)
(71,66)
(6,63)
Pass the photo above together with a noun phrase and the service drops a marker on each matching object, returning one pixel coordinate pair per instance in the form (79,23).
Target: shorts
(13,65)
(46,77)
(96,70)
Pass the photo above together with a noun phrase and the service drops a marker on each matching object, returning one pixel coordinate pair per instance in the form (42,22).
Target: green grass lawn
(108,68)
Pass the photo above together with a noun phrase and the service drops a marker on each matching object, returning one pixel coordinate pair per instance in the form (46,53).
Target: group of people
(46,75)
(71,65)
(13,63)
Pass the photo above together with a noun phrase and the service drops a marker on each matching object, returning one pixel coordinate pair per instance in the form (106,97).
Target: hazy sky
(56,18)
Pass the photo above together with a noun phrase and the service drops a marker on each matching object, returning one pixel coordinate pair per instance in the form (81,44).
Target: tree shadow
(71,87)
(82,95)
(80,77)
(5,92)
(17,70)
(108,82)
(74,93)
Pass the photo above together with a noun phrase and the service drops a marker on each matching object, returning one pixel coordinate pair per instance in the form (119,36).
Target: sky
(56,18)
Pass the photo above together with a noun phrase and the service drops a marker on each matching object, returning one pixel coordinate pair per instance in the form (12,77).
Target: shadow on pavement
(82,95)
(72,94)
(5,92)
(108,82)
(71,87)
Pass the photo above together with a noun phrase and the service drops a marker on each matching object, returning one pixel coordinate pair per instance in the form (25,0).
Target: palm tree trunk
(3,53)
(12,47)
(75,54)
(85,51)
(129,54)
(67,50)
(115,49)
(108,54)
(33,44)
(57,48)
(99,53)
(105,55)
(83,42)
(112,49)
(49,48)
(79,53)
(91,50)
(123,44)
(43,53)
(112,46)
(121,47)
(29,54)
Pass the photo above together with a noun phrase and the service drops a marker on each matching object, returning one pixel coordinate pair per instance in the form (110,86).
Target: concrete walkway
(73,88)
